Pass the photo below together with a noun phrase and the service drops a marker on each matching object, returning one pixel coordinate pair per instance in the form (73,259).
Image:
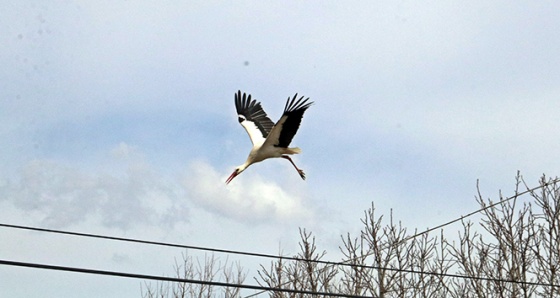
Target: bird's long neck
(244,166)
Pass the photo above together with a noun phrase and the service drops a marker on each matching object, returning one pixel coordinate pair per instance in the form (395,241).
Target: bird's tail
(295,150)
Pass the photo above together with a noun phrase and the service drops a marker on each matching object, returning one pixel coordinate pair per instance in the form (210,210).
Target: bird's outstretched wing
(253,118)
(285,129)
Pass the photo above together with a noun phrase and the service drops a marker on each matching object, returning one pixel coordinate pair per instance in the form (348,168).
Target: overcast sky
(118,118)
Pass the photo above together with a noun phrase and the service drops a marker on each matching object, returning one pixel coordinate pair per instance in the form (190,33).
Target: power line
(263,289)
(133,240)
(170,279)
(226,251)
(244,286)
(328,263)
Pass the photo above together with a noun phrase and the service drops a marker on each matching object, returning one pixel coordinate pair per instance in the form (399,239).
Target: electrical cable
(328,263)
(133,240)
(170,279)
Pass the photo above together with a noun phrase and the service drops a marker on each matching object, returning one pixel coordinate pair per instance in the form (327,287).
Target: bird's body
(269,140)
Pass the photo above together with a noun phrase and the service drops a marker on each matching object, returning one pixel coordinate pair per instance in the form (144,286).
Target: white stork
(269,139)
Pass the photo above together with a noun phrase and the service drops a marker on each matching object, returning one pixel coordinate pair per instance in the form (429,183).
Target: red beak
(233,175)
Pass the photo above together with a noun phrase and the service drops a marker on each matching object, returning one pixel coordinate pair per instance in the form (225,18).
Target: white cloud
(59,195)
(248,198)
(126,192)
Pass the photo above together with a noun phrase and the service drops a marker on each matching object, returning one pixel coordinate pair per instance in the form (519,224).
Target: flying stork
(269,139)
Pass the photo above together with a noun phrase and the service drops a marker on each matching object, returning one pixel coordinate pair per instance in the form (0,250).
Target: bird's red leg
(300,171)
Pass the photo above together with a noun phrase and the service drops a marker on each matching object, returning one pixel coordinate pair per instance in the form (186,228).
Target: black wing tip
(244,102)
(301,104)
(239,97)
(242,96)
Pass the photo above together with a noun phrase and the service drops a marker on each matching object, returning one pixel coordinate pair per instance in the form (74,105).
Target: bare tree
(384,261)
(513,251)
(520,247)
(192,269)
(304,274)
(546,243)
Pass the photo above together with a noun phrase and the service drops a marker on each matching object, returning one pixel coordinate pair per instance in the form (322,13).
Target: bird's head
(236,172)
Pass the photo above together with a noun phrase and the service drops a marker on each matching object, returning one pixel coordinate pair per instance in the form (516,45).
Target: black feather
(252,111)
(293,111)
